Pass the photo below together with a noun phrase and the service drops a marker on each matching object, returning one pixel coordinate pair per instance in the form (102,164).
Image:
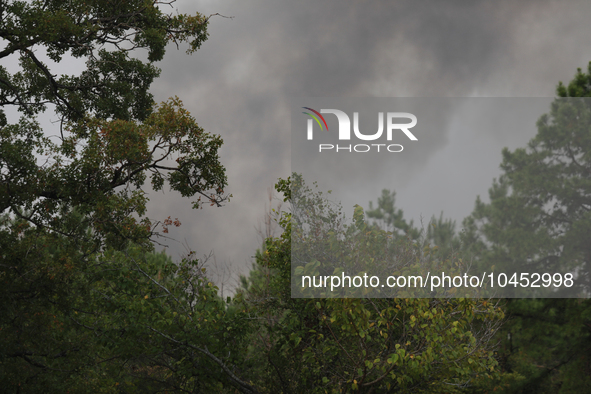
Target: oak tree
(71,191)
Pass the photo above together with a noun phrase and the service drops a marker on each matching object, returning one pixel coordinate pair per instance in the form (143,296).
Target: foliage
(123,321)
(86,306)
(389,218)
(539,216)
(73,226)
(362,345)
(440,232)
(324,244)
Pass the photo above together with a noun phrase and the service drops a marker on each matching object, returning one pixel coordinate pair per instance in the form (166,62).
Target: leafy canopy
(539,216)
(71,194)
(338,345)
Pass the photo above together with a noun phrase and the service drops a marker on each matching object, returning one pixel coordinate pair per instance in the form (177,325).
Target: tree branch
(242,385)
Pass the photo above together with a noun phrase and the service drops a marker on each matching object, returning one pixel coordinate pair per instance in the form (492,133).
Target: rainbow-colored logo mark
(316,119)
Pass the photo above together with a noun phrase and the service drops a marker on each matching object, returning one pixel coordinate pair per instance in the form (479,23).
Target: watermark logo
(392,124)
(310,124)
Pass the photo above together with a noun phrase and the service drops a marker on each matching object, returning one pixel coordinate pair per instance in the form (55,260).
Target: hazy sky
(241,83)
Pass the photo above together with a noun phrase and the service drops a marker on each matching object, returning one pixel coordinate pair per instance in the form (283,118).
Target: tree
(359,345)
(539,216)
(389,218)
(166,325)
(137,322)
(69,197)
(440,232)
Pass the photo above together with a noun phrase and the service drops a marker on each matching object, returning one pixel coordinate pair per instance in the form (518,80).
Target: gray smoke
(240,85)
